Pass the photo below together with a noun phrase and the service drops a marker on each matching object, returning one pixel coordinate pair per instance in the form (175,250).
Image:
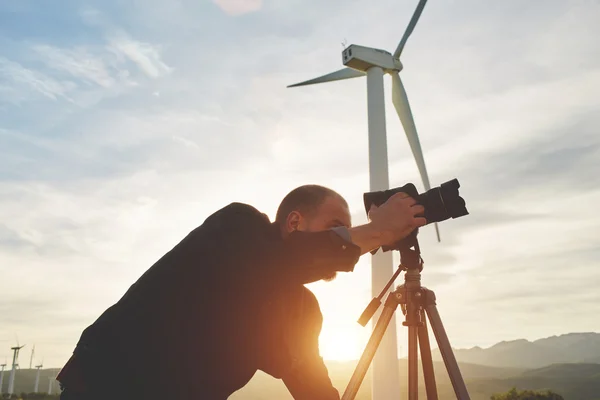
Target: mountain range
(568,348)
(567,364)
(572,381)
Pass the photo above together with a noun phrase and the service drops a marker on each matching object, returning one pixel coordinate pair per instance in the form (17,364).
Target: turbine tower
(37,377)
(2,376)
(374,63)
(15,364)
(50,381)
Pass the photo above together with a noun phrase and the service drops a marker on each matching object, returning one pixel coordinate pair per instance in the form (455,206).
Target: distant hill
(572,381)
(264,387)
(568,348)
(567,364)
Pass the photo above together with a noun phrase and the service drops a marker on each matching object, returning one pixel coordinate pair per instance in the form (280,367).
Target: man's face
(331,213)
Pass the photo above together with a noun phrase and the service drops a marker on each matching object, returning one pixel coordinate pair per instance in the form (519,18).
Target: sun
(340,344)
(341,302)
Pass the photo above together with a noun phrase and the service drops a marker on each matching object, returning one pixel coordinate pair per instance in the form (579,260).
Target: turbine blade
(400,101)
(346,73)
(410,27)
(402,106)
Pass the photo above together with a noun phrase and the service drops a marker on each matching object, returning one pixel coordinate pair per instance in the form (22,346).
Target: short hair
(305,199)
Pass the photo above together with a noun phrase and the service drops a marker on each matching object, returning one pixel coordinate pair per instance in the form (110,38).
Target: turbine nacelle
(363,58)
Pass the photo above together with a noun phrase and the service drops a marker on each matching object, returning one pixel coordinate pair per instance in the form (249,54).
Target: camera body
(440,203)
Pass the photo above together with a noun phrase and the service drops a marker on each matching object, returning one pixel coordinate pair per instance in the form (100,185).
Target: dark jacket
(226,301)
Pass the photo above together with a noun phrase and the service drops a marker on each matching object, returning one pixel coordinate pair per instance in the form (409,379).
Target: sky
(124,124)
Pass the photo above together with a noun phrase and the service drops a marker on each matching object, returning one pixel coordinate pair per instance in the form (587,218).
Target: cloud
(83,75)
(144,55)
(238,7)
(23,84)
(79,62)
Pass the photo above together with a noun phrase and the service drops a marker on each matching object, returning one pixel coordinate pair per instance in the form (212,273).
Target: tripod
(416,301)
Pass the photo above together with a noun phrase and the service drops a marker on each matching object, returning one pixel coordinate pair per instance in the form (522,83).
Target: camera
(440,203)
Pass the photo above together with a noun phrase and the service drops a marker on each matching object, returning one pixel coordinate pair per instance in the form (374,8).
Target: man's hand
(389,223)
(396,218)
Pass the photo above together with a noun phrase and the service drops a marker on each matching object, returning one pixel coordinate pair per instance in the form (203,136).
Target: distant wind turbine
(37,377)
(15,365)
(2,375)
(50,382)
(374,63)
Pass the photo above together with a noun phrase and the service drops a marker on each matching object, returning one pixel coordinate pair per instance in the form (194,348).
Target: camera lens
(440,203)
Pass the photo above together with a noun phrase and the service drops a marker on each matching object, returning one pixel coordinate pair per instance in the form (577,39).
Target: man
(229,300)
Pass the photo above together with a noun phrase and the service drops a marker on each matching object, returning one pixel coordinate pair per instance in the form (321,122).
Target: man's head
(312,208)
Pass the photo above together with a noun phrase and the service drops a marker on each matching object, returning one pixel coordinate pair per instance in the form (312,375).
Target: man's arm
(366,237)
(308,379)
(249,243)
(248,239)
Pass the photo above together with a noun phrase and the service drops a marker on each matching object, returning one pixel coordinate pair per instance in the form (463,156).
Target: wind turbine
(2,376)
(373,63)
(15,364)
(37,377)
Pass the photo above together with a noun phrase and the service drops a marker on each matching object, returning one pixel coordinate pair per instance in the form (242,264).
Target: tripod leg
(365,360)
(426,360)
(460,389)
(413,363)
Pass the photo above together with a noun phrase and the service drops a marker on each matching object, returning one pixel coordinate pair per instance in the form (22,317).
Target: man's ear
(293,221)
